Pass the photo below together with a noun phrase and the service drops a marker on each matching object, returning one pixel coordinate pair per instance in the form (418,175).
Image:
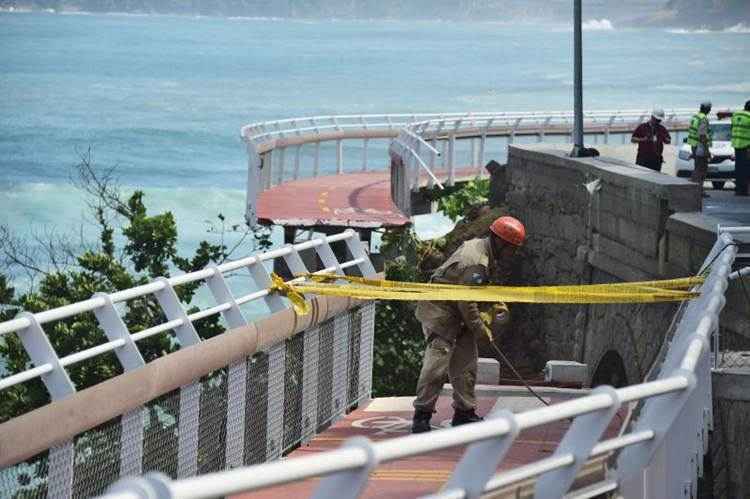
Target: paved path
(391,417)
(359,200)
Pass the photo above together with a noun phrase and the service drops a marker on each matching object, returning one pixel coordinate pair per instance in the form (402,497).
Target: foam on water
(597,25)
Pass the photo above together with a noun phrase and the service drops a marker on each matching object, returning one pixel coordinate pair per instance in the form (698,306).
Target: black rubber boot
(463,417)
(421,422)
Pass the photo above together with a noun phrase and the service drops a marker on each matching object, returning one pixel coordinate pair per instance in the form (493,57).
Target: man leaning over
(452,328)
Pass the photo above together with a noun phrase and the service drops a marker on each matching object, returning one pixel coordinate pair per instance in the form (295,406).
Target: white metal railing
(267,142)
(660,454)
(52,368)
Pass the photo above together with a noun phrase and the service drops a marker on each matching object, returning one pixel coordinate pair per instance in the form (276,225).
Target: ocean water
(163,98)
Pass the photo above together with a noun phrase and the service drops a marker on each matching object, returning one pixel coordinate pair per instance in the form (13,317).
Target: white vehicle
(721,165)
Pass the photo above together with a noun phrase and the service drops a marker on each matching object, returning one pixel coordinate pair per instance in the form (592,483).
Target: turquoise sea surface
(163,98)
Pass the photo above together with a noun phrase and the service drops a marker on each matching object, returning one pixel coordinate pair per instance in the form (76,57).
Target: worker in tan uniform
(452,328)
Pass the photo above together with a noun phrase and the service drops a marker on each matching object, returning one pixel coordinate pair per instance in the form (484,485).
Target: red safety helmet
(510,230)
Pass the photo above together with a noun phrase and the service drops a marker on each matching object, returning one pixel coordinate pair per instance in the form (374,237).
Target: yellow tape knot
(301,306)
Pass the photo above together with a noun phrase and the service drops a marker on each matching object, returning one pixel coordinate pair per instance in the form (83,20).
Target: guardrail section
(245,396)
(658,455)
(276,155)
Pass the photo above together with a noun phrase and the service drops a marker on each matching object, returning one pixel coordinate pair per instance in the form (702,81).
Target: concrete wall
(638,225)
(616,232)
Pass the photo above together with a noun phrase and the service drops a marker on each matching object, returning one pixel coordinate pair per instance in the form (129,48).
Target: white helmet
(658,114)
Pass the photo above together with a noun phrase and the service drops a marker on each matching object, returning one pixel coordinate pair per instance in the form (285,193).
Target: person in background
(651,137)
(741,145)
(699,138)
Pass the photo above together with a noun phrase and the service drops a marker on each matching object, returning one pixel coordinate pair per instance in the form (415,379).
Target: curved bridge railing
(657,455)
(291,149)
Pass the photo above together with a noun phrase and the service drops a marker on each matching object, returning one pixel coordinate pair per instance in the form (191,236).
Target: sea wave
(598,25)
(737,28)
(734,88)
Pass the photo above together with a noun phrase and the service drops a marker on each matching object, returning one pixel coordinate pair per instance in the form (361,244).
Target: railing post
(282,165)
(190,395)
(115,329)
(657,415)
(365,145)
(262,280)
(580,438)
(327,257)
(451,159)
(357,250)
(433,158)
(254,184)
(170,304)
(268,169)
(481,459)
(482,145)
(349,484)
(339,157)
(41,352)
(294,262)
(236,374)
(316,164)
(297,160)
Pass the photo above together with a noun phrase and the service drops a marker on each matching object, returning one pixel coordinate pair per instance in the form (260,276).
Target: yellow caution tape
(301,306)
(377,289)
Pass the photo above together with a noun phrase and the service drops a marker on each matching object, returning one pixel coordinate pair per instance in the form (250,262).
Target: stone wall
(633,224)
(595,220)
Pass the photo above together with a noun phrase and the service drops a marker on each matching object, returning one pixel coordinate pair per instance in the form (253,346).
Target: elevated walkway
(417,476)
(360,200)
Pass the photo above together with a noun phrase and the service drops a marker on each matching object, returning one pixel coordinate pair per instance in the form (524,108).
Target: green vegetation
(148,250)
(462,200)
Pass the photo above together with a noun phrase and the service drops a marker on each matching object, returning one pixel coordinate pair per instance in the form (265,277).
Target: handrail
(267,141)
(683,385)
(52,368)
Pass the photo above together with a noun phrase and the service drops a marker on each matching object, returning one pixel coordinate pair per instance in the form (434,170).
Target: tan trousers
(458,360)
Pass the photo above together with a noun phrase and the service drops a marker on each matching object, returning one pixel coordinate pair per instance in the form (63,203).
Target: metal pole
(578,76)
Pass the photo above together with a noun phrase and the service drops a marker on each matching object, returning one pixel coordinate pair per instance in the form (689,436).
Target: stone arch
(610,370)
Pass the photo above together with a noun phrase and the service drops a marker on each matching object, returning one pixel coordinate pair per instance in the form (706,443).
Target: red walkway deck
(413,477)
(358,200)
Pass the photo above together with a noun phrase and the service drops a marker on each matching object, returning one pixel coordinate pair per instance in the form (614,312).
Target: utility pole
(578,78)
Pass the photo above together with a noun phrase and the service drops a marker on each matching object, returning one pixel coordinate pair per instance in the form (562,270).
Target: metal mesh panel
(293,389)
(256,409)
(236,403)
(160,441)
(354,327)
(97,461)
(27,480)
(366,342)
(213,424)
(275,410)
(250,412)
(325,374)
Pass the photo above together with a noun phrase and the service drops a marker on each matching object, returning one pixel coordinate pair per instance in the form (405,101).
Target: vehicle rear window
(722,132)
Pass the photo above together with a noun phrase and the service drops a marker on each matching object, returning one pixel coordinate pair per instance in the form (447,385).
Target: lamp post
(578,78)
